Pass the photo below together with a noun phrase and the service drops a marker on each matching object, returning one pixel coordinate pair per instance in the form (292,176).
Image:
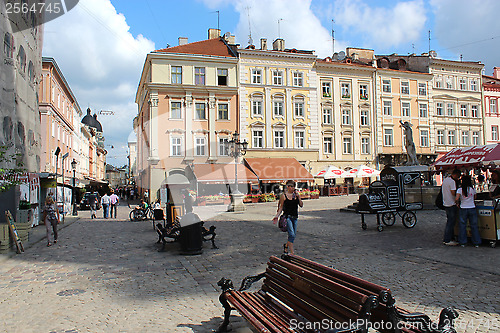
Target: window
(424,138)
(387,108)
(21,58)
(463,110)
(176,75)
(327,145)
(440,137)
(449,82)
(450,109)
(473,85)
(8,45)
(405,87)
(53,128)
(347,145)
(222,77)
(422,89)
(175,149)
(223,109)
(223,147)
(439,109)
(473,111)
(256,76)
(365,146)
(175,110)
(493,105)
(278,78)
(279,139)
(405,109)
(200,111)
(494,133)
(299,139)
(345,90)
(326,89)
(298,79)
(475,138)
(199,146)
(364,118)
(438,81)
(465,138)
(298,107)
(199,76)
(386,86)
(363,92)
(258,138)
(327,116)
(346,117)
(278,106)
(451,138)
(422,110)
(388,137)
(463,84)
(257,106)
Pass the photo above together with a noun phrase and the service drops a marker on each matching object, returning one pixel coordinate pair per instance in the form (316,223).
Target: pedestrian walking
(465,198)
(449,189)
(289,205)
(114,200)
(51,219)
(105,202)
(93,206)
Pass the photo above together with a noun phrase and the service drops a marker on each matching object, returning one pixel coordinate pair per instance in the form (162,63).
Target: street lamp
(58,150)
(62,166)
(238,148)
(73,198)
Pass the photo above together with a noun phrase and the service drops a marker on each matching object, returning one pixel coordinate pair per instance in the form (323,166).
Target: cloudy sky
(101,45)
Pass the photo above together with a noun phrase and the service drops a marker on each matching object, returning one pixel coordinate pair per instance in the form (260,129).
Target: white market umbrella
(364,171)
(331,172)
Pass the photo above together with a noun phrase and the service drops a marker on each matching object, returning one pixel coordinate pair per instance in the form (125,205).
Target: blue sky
(101,45)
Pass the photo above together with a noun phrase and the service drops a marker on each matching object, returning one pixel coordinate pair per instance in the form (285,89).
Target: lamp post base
(236,204)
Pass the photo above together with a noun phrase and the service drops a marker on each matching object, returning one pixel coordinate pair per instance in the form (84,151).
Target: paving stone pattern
(108,276)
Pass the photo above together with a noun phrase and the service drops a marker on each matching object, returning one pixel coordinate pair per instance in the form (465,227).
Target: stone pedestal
(236,204)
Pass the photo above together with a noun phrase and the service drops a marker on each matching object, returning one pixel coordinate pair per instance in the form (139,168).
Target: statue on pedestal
(409,144)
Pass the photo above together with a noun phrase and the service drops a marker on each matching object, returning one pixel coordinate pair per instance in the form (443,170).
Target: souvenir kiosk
(485,157)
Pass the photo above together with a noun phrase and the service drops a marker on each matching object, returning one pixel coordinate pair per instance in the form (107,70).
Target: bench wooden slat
(262,306)
(259,322)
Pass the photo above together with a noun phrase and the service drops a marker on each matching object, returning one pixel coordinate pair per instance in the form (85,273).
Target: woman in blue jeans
(289,204)
(466,195)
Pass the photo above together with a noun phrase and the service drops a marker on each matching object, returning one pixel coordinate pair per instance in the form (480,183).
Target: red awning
(469,157)
(222,174)
(277,170)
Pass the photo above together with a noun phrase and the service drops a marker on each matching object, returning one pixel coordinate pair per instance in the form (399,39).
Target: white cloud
(467,28)
(380,27)
(102,62)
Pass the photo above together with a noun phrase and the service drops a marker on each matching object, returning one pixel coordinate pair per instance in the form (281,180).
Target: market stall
(485,157)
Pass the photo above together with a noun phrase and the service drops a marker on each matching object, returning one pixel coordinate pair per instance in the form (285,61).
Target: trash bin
(190,237)
(158,214)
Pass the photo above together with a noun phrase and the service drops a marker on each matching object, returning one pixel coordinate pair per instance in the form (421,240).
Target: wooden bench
(173,231)
(295,299)
(400,320)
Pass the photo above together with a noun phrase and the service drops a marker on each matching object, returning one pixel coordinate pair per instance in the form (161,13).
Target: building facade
(187,108)
(491,90)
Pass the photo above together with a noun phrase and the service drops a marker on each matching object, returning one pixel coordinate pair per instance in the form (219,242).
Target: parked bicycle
(140,213)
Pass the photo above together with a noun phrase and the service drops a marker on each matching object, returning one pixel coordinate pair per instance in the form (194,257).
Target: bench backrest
(313,296)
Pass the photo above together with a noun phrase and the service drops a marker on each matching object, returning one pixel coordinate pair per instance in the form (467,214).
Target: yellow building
(278,102)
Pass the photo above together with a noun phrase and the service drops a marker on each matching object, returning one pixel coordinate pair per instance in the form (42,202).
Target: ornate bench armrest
(249,280)
(446,318)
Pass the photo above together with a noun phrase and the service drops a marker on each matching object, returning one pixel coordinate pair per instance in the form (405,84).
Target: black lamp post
(73,199)
(58,150)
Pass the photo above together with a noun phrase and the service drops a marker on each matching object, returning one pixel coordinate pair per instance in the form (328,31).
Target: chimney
(183,40)
(279,45)
(496,72)
(213,33)
(263,44)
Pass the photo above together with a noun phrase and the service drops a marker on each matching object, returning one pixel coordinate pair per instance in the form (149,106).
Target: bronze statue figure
(409,144)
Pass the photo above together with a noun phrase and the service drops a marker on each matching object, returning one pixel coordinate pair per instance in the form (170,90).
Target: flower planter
(247,200)
(314,196)
(255,200)
(215,202)
(202,202)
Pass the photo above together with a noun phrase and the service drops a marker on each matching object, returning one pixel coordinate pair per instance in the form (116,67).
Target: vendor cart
(488,222)
(398,192)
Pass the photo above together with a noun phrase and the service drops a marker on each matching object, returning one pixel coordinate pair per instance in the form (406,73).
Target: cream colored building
(346,111)
(279,102)
(187,108)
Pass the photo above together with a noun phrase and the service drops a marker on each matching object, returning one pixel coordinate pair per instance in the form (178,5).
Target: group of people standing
(110,204)
(458,200)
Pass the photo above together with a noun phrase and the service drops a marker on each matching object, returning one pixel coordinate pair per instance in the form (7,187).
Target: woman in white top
(466,195)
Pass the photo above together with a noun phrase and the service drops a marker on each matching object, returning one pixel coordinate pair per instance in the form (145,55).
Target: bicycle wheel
(388,218)
(131,215)
(409,219)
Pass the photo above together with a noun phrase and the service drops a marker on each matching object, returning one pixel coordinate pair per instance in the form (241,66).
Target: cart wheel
(493,244)
(409,219)
(363,226)
(380,228)
(388,219)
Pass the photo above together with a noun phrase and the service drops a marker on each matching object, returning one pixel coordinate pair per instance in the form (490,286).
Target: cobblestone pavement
(108,276)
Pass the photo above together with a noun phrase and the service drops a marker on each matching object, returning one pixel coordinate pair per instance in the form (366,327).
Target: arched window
(298,106)
(21,58)
(8,45)
(257,101)
(31,71)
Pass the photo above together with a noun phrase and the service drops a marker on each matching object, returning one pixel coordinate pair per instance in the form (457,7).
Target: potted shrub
(255,198)
(315,194)
(305,194)
(247,198)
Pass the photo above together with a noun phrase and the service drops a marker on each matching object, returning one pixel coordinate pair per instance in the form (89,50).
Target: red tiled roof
(214,47)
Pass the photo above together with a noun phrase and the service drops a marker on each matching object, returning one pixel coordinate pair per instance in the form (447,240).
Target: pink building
(491,88)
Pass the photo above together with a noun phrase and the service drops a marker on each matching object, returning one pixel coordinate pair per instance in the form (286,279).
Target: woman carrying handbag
(289,205)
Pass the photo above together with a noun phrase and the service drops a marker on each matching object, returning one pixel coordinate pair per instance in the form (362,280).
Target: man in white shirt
(449,189)
(105,202)
(114,200)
